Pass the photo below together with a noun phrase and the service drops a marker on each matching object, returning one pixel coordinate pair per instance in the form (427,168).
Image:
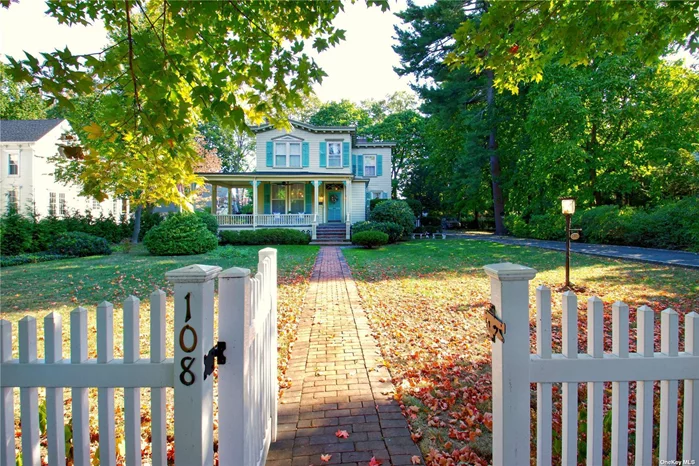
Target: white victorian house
(317,179)
(27,172)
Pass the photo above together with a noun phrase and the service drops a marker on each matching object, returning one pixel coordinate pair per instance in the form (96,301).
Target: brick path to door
(336,382)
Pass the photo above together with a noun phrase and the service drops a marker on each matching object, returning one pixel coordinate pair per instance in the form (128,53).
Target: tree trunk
(592,150)
(136,224)
(495,171)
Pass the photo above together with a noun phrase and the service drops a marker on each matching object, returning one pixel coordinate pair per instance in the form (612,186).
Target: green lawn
(425,302)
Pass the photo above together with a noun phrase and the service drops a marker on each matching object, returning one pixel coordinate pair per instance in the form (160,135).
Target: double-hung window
(95,204)
(12,163)
(369,165)
(296,196)
(12,201)
(279,199)
(334,154)
(287,154)
(52,204)
(62,204)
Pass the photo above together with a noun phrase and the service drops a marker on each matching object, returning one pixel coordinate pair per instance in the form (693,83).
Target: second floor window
(52,204)
(369,165)
(62,204)
(95,204)
(287,154)
(13,163)
(334,154)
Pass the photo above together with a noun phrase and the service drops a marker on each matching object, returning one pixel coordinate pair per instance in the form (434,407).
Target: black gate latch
(215,353)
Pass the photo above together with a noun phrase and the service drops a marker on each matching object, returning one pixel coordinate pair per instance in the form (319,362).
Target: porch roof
(243,179)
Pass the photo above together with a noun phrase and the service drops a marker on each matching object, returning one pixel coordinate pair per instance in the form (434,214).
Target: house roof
(26,130)
(308,127)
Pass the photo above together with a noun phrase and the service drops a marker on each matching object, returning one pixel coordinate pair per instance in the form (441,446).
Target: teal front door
(334,206)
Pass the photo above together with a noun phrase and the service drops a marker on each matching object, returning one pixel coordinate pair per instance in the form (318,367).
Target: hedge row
(669,226)
(8,261)
(393,230)
(264,236)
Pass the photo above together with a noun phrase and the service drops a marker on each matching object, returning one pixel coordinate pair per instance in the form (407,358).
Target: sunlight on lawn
(425,302)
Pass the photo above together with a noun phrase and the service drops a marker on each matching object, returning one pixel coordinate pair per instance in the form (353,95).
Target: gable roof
(308,127)
(26,130)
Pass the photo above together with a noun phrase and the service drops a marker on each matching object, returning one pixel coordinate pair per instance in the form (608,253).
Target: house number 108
(187,376)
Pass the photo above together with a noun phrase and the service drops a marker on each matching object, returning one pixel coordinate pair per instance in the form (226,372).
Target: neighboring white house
(311,178)
(27,175)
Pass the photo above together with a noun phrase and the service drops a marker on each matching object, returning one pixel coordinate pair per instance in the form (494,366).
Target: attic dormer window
(13,163)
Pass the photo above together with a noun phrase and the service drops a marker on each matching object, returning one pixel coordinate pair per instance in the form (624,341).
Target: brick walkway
(336,384)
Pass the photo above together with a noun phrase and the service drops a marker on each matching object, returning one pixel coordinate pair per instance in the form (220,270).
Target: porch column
(230,201)
(214,198)
(316,185)
(348,199)
(254,184)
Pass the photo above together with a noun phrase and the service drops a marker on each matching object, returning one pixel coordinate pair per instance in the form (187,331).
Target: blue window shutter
(379,165)
(270,154)
(267,198)
(323,157)
(305,157)
(354,164)
(345,154)
(360,165)
(308,197)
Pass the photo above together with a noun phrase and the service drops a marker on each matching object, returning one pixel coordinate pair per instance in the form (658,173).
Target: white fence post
(271,253)
(7,410)
(690,441)
(194,335)
(509,285)
(233,327)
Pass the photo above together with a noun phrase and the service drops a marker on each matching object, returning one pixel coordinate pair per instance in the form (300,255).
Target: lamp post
(568,208)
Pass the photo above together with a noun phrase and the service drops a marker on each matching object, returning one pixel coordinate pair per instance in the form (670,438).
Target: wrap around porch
(284,200)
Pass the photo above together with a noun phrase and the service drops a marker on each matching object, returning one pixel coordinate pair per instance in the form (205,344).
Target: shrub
(209,220)
(393,230)
(46,231)
(80,244)
(374,202)
(431,221)
(149,219)
(180,234)
(9,261)
(517,226)
(264,236)
(370,239)
(15,233)
(415,206)
(548,226)
(395,211)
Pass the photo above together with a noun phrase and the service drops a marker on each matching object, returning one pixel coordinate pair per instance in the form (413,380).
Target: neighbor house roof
(26,130)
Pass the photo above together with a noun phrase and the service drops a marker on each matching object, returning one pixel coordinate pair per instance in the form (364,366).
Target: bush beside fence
(263,236)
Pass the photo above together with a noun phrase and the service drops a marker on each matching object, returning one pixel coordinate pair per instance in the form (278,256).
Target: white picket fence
(514,368)
(247,381)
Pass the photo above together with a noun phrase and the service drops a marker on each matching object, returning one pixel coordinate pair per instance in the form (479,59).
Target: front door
(334,199)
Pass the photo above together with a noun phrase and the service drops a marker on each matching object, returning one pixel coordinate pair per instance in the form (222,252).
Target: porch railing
(267,219)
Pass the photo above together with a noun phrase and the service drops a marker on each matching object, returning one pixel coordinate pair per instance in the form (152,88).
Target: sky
(361,67)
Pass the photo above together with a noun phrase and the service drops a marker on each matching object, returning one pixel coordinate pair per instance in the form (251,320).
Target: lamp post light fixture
(568,208)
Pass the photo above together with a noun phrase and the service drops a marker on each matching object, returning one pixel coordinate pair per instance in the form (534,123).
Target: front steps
(331,234)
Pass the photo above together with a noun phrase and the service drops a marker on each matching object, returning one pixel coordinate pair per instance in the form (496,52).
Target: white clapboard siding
(509,290)
(247,412)
(247,322)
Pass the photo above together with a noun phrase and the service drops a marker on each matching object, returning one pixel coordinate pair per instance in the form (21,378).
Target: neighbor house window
(296,196)
(279,199)
(52,204)
(62,203)
(334,154)
(13,163)
(290,149)
(12,202)
(369,165)
(95,204)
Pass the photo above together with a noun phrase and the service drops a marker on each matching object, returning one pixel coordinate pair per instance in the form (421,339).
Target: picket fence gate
(247,371)
(514,368)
